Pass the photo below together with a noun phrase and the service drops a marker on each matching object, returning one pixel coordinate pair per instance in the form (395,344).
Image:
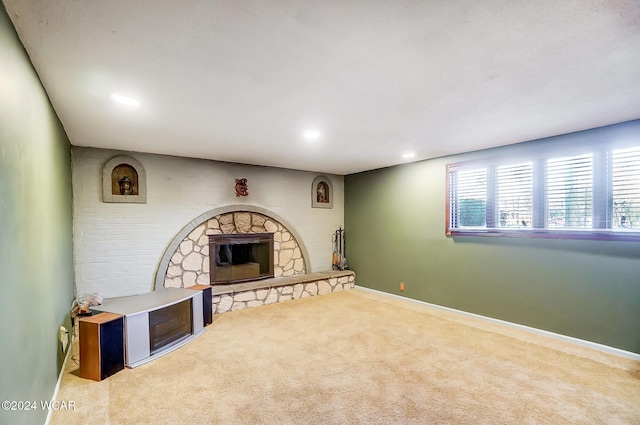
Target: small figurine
(321,193)
(125,186)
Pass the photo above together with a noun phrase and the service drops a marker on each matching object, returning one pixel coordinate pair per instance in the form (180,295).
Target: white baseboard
(590,344)
(62,371)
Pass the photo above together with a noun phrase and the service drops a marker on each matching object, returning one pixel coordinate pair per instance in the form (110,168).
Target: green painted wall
(395,226)
(36,271)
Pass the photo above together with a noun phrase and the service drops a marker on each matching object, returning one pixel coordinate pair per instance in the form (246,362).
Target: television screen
(169,325)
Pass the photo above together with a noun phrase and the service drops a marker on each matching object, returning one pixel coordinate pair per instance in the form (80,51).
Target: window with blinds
(471,199)
(569,188)
(514,192)
(593,192)
(626,188)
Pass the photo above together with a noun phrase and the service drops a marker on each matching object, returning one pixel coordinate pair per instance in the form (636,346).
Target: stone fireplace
(190,263)
(187,261)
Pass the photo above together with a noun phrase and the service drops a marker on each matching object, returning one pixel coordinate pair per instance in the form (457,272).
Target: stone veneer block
(324,287)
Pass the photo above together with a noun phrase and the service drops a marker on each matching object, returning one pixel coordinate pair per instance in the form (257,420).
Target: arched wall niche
(322,193)
(124,180)
(185,261)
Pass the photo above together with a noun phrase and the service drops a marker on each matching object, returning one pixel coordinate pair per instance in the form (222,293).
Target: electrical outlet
(402,286)
(64,338)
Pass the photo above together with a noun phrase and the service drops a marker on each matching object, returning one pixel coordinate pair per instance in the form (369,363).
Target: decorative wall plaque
(241,187)
(124,180)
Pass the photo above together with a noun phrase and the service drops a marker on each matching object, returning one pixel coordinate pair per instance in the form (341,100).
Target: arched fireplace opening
(186,261)
(240,257)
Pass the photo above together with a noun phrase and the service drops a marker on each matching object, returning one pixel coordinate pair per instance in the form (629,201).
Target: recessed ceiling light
(408,155)
(311,134)
(125,99)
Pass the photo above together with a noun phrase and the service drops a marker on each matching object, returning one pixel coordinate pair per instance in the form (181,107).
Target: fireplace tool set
(339,260)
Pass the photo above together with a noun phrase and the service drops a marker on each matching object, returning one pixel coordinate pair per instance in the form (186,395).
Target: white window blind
(471,199)
(569,189)
(626,188)
(515,195)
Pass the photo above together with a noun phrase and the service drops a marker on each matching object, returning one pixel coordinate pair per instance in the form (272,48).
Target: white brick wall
(117,247)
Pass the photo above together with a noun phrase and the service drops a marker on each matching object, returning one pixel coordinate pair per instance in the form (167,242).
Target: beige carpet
(360,358)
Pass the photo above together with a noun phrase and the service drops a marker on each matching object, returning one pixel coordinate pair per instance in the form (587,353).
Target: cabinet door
(137,336)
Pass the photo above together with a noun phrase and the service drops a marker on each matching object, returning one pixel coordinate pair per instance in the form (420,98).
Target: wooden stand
(101,345)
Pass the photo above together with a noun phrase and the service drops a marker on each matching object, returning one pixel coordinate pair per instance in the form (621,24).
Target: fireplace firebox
(235,258)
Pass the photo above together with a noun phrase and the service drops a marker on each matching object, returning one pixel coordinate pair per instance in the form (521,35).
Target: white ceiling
(240,81)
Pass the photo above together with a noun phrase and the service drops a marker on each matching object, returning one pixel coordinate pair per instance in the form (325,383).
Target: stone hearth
(269,291)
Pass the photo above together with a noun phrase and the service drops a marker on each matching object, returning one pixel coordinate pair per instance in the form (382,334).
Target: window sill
(606,235)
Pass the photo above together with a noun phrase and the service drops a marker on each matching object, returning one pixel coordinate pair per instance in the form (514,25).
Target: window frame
(538,152)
